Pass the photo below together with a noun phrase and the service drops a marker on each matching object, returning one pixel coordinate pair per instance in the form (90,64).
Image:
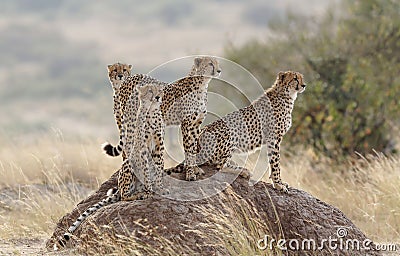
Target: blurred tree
(351,59)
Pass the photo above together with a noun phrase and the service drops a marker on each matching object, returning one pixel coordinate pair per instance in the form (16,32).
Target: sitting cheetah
(146,159)
(117,73)
(181,99)
(148,145)
(265,121)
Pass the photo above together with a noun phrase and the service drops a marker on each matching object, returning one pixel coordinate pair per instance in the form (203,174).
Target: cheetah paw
(198,171)
(145,195)
(281,186)
(190,176)
(193,172)
(138,196)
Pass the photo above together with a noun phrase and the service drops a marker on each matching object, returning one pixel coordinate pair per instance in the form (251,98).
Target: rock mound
(240,220)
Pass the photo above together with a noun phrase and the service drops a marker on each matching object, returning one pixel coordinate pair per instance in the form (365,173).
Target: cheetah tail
(177,169)
(111,150)
(112,197)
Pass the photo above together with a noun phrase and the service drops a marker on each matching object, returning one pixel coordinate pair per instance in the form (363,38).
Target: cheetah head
(291,82)
(150,95)
(117,73)
(206,66)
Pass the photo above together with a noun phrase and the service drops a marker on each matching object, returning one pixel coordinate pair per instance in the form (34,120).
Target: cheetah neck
(115,91)
(206,81)
(277,99)
(116,84)
(141,119)
(203,82)
(293,96)
(195,73)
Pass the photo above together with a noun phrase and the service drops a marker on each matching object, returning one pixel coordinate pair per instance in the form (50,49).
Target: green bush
(351,59)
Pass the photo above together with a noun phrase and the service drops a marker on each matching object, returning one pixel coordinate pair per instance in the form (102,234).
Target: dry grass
(367,191)
(234,232)
(238,231)
(41,180)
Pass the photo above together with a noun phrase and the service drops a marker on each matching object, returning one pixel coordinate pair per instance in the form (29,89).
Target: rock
(240,220)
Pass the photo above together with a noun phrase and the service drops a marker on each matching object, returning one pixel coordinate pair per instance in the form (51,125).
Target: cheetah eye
(115,70)
(211,64)
(297,80)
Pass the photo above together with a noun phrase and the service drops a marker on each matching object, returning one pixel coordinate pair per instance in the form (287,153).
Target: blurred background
(54,56)
(54,53)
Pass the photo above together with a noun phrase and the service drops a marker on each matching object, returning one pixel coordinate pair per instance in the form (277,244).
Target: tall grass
(367,190)
(43,179)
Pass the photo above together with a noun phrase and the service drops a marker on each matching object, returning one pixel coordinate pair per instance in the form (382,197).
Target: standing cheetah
(146,159)
(117,73)
(264,122)
(181,99)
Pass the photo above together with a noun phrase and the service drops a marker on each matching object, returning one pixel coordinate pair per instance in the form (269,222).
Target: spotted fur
(141,174)
(117,73)
(181,99)
(264,122)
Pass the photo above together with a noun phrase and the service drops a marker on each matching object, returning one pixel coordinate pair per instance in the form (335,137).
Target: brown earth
(191,227)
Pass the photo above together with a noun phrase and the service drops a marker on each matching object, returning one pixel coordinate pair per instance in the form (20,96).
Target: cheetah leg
(138,196)
(127,137)
(129,185)
(126,180)
(118,117)
(190,132)
(158,159)
(147,164)
(274,161)
(135,191)
(117,110)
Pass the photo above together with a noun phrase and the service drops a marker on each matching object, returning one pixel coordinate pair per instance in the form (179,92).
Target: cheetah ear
(130,66)
(109,67)
(281,75)
(197,61)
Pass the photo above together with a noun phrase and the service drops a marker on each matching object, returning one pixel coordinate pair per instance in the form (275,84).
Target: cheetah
(181,99)
(264,122)
(117,73)
(148,145)
(146,159)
